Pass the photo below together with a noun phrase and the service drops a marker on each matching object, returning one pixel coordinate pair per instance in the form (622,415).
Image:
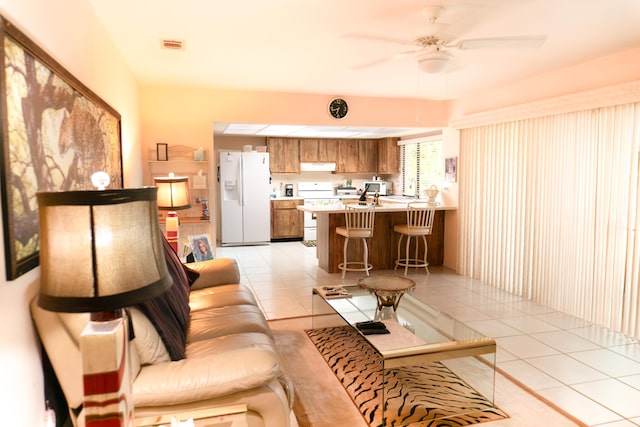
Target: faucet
(412,185)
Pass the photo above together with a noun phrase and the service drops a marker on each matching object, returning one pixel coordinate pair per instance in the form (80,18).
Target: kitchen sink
(403,198)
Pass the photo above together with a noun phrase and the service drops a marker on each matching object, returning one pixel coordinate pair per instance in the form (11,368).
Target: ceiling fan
(431,50)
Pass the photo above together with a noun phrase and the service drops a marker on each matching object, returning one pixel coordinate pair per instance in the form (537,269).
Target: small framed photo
(451,169)
(162,152)
(201,247)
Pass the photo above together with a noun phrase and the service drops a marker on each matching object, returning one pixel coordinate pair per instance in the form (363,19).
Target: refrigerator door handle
(240,182)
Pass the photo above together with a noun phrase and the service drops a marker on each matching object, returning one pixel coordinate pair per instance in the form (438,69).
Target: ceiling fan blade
(388,58)
(378,38)
(372,63)
(525,42)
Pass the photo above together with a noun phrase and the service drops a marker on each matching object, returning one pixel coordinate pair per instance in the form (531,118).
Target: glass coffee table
(419,335)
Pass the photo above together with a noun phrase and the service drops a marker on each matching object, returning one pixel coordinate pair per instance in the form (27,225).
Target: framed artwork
(162,152)
(55,133)
(451,169)
(200,247)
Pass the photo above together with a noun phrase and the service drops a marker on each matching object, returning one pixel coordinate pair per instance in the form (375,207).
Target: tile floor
(588,371)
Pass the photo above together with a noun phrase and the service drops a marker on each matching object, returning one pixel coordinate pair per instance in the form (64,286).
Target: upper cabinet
(388,156)
(366,156)
(309,150)
(284,155)
(357,156)
(318,150)
(347,161)
(327,150)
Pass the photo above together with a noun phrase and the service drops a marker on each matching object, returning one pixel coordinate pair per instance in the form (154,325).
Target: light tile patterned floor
(590,372)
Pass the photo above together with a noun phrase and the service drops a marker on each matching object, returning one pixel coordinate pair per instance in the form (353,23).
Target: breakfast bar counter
(383,246)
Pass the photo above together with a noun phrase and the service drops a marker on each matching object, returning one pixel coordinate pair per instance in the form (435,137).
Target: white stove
(314,194)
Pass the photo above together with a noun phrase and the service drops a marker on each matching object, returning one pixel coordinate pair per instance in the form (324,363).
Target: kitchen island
(383,246)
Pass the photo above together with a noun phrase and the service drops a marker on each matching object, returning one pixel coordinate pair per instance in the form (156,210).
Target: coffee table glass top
(419,327)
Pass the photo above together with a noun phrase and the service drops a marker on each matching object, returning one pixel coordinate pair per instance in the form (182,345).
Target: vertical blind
(549,211)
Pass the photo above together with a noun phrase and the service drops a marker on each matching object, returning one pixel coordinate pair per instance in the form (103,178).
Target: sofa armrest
(219,271)
(205,377)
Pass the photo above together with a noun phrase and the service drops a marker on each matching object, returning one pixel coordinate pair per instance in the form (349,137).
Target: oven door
(310,234)
(310,230)
(309,220)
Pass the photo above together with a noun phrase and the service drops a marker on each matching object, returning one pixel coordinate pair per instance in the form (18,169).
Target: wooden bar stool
(359,225)
(419,223)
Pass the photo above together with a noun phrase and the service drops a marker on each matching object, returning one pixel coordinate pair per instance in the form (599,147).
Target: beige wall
(68,30)
(616,68)
(449,196)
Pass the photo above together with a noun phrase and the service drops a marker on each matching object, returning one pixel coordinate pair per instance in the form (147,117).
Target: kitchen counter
(286,198)
(383,245)
(383,207)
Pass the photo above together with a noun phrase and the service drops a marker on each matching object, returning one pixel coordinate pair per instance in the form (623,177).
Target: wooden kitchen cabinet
(287,222)
(357,156)
(318,150)
(347,161)
(284,155)
(388,156)
(309,150)
(368,155)
(327,150)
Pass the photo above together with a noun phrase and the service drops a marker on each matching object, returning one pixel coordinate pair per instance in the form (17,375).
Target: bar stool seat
(420,218)
(359,222)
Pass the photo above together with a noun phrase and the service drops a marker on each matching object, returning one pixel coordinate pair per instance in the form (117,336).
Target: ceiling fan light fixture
(434,62)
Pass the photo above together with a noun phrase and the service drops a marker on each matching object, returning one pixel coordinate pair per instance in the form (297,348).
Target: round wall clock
(338,108)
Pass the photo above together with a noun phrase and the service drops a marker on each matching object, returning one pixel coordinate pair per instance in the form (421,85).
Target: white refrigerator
(244,198)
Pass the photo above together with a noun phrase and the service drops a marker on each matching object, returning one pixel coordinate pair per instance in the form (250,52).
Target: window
(422,165)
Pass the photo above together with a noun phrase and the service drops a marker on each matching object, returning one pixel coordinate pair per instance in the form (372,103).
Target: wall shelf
(180,161)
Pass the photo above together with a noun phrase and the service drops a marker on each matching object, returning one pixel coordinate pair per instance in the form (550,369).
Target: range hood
(317,167)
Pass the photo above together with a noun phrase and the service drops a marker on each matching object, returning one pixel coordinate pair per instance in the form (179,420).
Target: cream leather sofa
(231,358)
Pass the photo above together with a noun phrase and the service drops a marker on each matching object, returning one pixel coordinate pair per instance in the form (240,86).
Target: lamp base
(106,378)
(171,226)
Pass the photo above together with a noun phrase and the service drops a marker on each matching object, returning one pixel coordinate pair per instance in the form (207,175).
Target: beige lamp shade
(100,250)
(173,192)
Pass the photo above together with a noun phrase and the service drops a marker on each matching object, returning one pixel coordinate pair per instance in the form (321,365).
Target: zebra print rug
(422,395)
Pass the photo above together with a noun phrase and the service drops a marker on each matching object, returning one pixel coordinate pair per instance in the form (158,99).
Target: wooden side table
(227,416)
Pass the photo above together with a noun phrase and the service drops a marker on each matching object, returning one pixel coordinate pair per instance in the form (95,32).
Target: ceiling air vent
(173,44)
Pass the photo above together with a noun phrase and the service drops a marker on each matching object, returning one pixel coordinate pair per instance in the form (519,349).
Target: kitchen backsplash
(278,181)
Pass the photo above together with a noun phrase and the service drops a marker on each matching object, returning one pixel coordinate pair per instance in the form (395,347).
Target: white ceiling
(296,131)
(310,46)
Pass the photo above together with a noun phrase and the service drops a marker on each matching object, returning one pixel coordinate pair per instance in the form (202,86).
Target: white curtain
(549,211)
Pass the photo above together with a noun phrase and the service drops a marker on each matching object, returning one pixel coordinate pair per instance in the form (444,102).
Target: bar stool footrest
(342,266)
(411,263)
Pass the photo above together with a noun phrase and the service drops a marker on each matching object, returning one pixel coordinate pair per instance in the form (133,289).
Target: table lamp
(173,194)
(101,251)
